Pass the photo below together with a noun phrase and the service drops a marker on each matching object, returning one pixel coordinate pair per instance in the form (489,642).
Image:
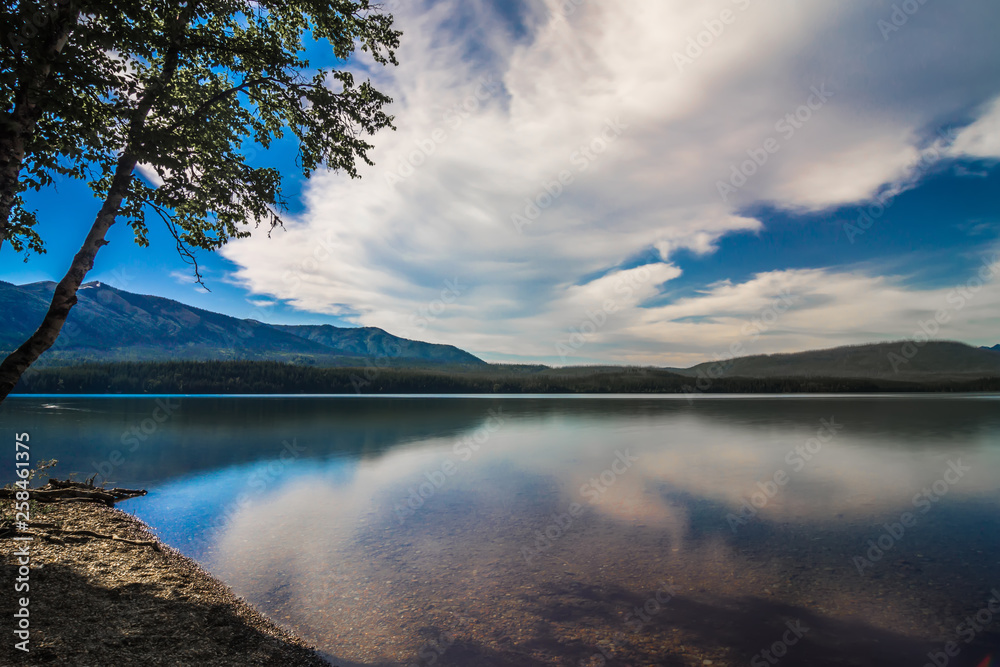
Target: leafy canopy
(186,89)
(56,57)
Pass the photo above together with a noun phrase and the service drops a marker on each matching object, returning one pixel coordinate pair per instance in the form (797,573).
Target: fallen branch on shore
(49,532)
(69,491)
(58,532)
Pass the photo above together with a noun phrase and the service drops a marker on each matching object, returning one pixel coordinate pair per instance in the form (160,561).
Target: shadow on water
(747,626)
(791,635)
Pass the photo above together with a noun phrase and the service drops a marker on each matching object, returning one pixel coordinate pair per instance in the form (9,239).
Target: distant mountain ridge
(902,360)
(109,324)
(368,341)
(112,325)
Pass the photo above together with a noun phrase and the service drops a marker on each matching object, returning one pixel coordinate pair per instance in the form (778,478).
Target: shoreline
(992,388)
(101,601)
(272,377)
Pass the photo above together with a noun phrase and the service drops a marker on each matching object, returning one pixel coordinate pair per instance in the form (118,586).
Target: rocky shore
(127,601)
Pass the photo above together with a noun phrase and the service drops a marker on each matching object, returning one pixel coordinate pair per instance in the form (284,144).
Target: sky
(658,183)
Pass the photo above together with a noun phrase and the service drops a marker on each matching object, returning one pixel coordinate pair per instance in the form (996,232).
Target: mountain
(109,324)
(896,360)
(112,325)
(367,341)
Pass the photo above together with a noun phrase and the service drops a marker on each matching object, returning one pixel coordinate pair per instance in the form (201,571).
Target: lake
(585,530)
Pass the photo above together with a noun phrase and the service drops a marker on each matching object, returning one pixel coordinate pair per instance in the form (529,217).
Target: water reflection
(586,531)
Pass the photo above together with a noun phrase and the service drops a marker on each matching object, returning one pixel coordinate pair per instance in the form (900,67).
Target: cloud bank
(552,157)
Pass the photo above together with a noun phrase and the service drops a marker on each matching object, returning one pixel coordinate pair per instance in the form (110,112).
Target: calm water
(573,531)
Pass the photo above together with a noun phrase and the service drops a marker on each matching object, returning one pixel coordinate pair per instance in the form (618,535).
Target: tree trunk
(16,129)
(64,297)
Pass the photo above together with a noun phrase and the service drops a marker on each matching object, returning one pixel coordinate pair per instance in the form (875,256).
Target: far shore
(270,377)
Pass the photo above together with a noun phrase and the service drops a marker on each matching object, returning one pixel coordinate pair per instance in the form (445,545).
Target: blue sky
(575,183)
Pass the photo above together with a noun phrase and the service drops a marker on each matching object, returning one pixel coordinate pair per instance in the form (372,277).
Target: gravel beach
(97,601)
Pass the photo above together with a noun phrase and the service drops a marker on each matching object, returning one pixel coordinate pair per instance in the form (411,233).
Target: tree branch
(218,97)
(182,248)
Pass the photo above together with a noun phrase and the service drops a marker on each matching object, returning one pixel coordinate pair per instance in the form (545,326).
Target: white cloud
(150,174)
(589,129)
(782,311)
(981,138)
(188,278)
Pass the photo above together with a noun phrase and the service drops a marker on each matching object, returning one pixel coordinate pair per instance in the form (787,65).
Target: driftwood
(49,531)
(57,532)
(69,491)
(118,493)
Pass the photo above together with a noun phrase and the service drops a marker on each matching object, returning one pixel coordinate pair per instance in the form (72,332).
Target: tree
(180,88)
